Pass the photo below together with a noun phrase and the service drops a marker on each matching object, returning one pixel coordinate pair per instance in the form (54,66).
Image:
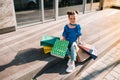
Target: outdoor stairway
(22,58)
(104,41)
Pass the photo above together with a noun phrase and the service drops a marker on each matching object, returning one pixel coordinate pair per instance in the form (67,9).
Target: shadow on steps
(26,56)
(59,67)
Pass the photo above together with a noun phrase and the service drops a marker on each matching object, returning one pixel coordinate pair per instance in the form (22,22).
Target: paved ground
(106,68)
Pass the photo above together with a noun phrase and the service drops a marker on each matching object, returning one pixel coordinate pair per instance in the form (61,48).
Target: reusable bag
(82,55)
(48,40)
(89,49)
(60,48)
(47,49)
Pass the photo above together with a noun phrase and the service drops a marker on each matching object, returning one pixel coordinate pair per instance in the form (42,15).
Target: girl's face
(72,19)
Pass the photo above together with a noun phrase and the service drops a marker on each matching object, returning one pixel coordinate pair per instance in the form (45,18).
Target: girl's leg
(73,49)
(71,62)
(68,53)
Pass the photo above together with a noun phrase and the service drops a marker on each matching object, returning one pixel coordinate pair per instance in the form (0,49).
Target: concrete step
(108,67)
(27,58)
(58,71)
(98,43)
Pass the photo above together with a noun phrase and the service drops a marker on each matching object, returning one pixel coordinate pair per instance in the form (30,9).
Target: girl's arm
(64,34)
(79,35)
(79,40)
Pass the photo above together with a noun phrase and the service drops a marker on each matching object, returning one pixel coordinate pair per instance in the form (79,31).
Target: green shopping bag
(60,48)
(48,40)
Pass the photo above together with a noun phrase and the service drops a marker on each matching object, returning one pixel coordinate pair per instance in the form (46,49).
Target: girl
(72,33)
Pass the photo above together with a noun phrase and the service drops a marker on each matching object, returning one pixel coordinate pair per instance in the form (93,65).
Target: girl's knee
(74,45)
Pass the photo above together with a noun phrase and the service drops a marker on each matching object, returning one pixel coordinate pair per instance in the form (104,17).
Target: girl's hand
(62,38)
(80,42)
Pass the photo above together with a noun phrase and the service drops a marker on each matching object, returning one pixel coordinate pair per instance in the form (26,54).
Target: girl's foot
(69,62)
(70,67)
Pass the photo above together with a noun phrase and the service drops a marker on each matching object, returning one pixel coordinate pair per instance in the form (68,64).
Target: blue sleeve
(65,31)
(79,30)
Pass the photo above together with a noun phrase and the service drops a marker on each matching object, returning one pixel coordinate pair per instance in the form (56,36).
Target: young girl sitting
(72,33)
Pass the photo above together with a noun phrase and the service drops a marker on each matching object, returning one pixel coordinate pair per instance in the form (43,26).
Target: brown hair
(72,12)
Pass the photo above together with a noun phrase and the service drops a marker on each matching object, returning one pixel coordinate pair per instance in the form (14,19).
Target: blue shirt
(71,34)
